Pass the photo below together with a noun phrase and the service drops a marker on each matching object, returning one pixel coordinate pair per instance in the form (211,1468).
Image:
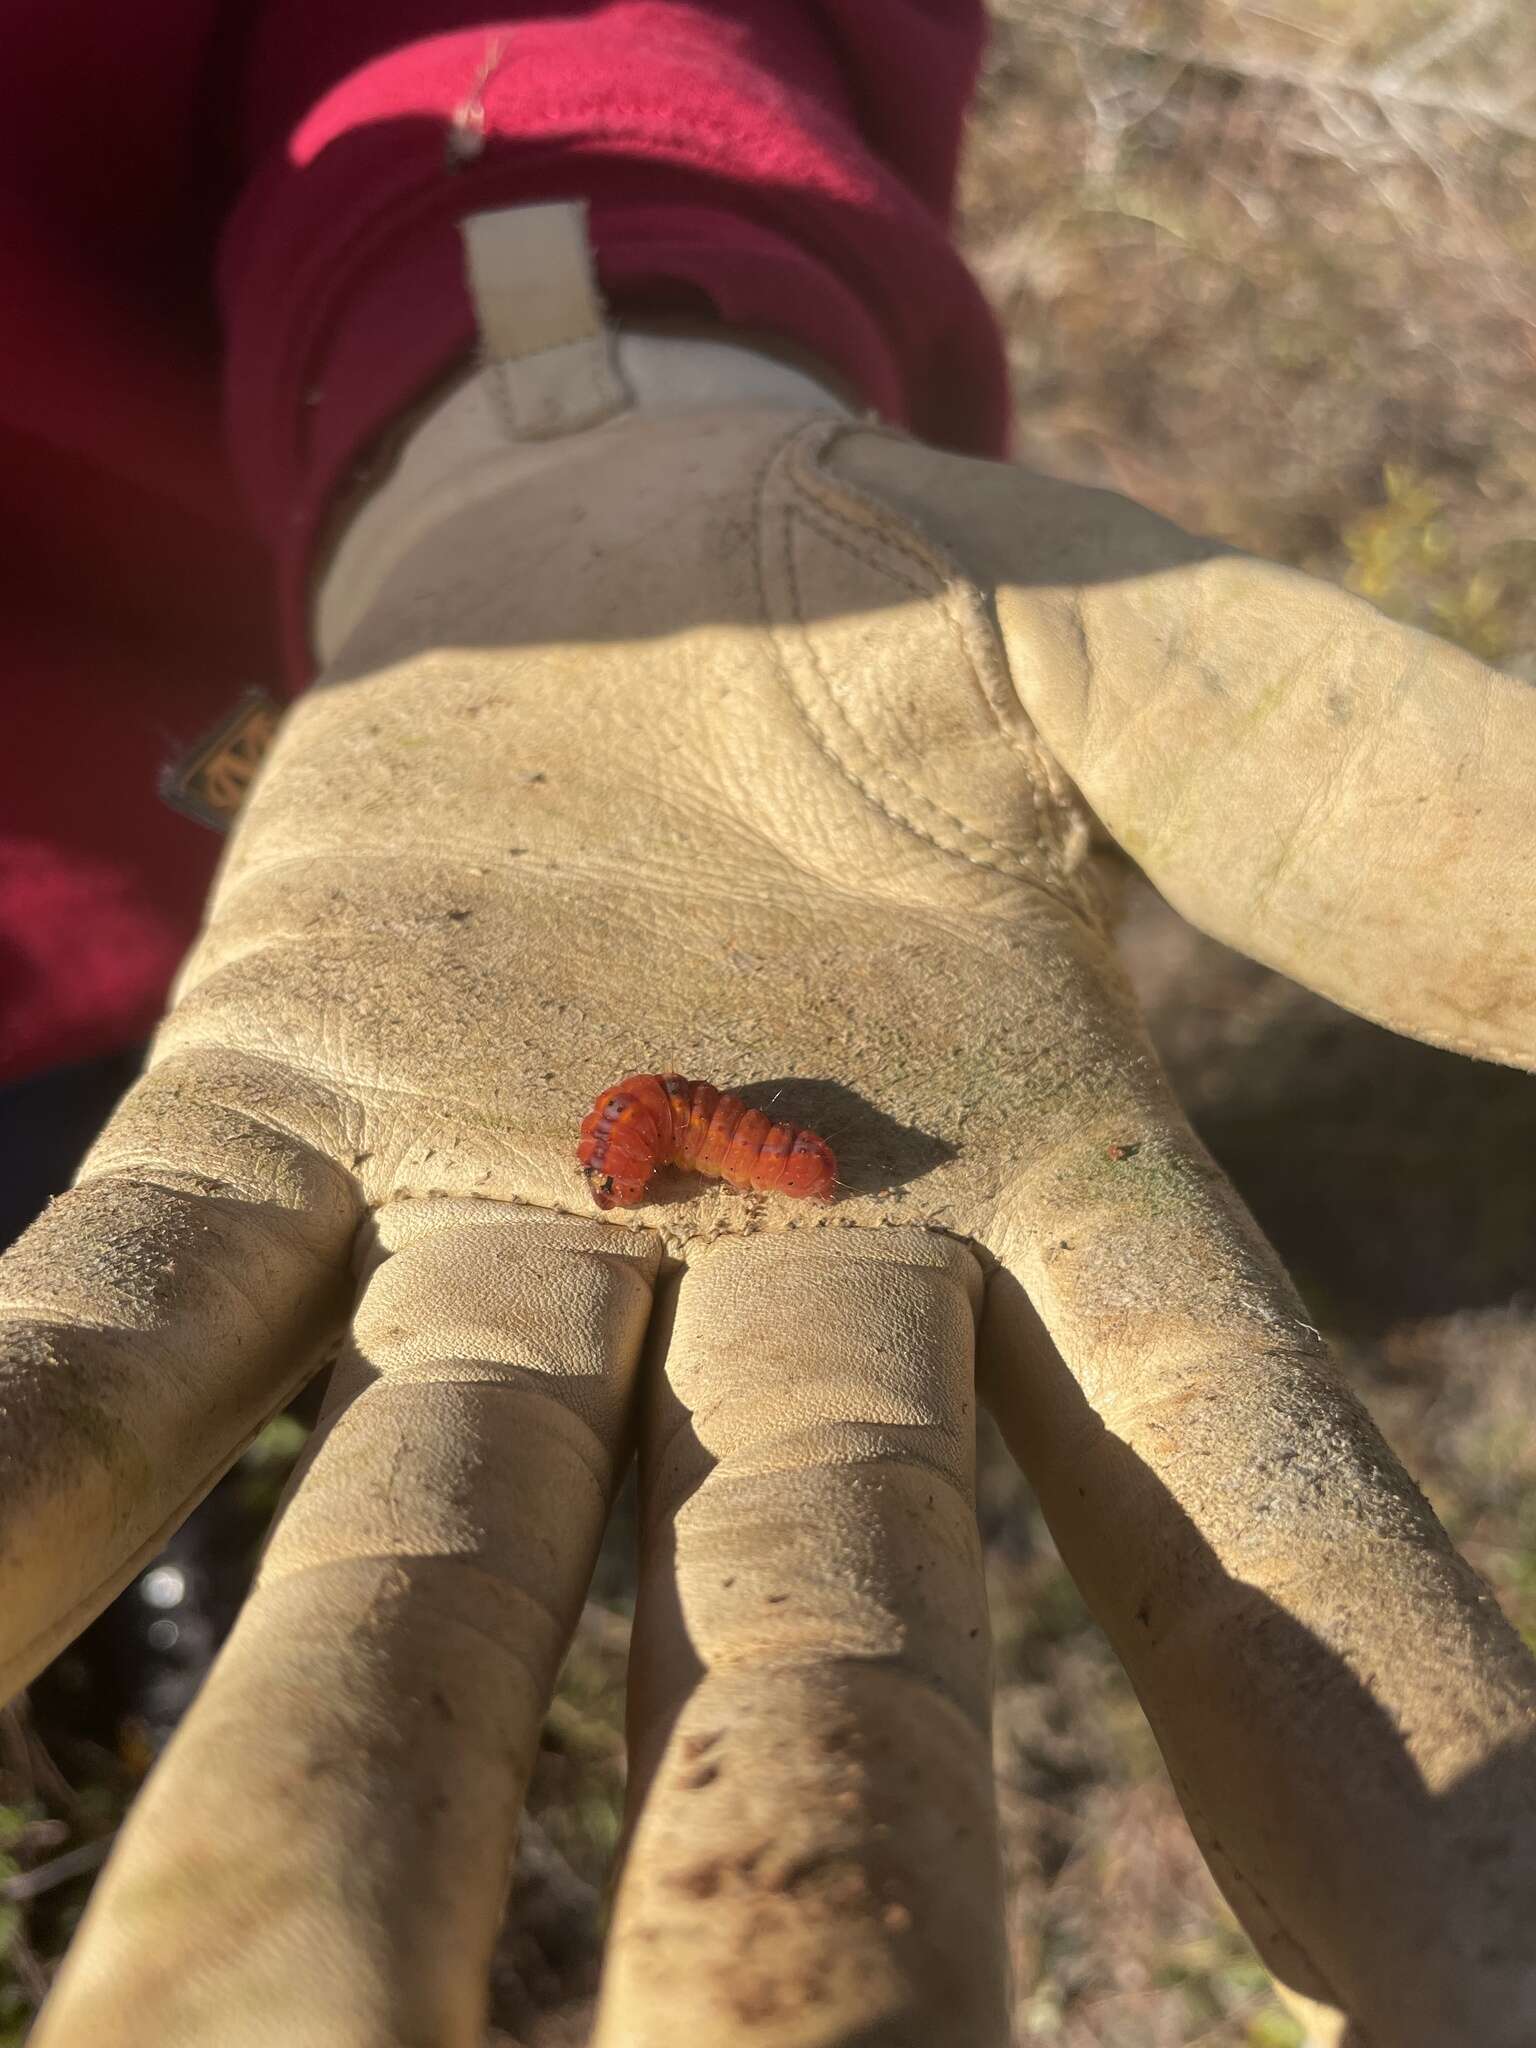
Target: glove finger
(1334,793)
(322,1855)
(151,1321)
(812,1852)
(1349,803)
(1345,1713)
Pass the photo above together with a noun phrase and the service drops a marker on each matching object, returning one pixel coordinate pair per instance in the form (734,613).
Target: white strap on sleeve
(541,319)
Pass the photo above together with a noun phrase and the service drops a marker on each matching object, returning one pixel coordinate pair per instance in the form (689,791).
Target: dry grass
(1253,259)
(1269,268)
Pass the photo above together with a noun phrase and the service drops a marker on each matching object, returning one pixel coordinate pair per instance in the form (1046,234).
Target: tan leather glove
(747,743)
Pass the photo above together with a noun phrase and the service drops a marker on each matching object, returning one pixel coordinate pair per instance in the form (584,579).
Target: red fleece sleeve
(787,164)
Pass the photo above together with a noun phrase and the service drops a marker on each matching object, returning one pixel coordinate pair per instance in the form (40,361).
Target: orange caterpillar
(652,1120)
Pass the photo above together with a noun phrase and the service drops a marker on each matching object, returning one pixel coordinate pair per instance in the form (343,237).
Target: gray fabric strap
(541,319)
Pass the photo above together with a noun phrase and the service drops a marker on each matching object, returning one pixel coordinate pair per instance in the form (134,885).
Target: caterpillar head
(615,1191)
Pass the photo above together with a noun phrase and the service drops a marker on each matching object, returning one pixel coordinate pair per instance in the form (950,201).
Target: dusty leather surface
(749,746)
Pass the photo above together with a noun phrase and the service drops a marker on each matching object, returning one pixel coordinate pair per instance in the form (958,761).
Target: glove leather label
(210,782)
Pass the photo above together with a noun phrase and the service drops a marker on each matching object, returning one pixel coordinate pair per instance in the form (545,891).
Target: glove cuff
(552,372)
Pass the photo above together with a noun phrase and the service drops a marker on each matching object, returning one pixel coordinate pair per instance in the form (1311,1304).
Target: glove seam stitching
(1053,797)
(1207,1835)
(1006,859)
(1006,853)
(681,1244)
(858,514)
(996,854)
(861,511)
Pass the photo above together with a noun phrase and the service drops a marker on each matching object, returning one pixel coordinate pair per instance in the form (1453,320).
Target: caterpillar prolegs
(651,1120)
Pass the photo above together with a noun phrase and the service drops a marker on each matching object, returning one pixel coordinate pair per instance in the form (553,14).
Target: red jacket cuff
(724,169)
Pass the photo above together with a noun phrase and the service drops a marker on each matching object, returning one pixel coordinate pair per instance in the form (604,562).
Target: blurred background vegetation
(1271,268)
(1268,268)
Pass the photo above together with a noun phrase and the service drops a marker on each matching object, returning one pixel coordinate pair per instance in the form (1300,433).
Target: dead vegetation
(1269,268)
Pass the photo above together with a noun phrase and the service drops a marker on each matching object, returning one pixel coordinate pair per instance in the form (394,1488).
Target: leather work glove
(764,746)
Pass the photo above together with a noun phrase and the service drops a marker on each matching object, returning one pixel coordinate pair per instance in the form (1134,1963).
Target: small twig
(23,1752)
(1314,80)
(14,1757)
(23,1959)
(541,1862)
(587,1734)
(601,1625)
(77,1862)
(43,1834)
(1458,29)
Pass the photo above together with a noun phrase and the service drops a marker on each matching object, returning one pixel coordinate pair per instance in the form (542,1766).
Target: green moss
(1276,2028)
(1408,558)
